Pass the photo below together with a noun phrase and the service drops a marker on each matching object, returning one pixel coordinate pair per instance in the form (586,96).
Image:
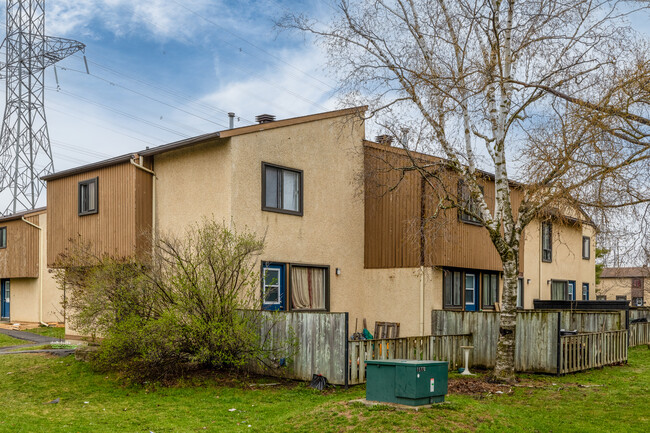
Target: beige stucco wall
(223,180)
(567,262)
(612,287)
(192,184)
(25,292)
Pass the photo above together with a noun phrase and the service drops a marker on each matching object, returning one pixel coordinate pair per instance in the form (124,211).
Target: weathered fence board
(591,350)
(537,333)
(426,348)
(320,343)
(640,313)
(639,333)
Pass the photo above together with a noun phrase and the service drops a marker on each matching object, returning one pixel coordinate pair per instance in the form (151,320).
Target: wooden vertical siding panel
(143,206)
(20,258)
(112,230)
(393,208)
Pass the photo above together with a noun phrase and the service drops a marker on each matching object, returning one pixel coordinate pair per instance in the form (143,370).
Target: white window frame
(277,285)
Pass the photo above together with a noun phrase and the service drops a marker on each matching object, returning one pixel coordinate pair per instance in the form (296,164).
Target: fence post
(346,365)
(559,342)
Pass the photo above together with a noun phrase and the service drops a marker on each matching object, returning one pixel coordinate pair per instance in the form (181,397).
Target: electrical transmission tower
(25,152)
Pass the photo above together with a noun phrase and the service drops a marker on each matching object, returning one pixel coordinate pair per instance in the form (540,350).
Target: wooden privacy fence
(319,343)
(426,348)
(591,350)
(639,333)
(538,333)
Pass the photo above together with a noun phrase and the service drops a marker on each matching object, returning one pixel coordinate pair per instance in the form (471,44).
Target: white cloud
(160,19)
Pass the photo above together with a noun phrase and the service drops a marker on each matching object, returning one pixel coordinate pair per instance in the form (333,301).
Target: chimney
(265,118)
(231,120)
(384,139)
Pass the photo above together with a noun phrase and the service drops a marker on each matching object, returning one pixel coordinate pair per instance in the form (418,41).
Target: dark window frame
(485,306)
(3,244)
(520,293)
(466,200)
(290,288)
(547,253)
(586,256)
(80,202)
(300,173)
(447,273)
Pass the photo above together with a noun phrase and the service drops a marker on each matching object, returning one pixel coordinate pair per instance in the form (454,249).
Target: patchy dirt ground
(476,386)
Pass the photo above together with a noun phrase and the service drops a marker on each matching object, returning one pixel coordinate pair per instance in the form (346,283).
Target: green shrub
(179,307)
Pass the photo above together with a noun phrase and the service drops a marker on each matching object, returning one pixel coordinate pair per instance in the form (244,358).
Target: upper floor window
(3,237)
(586,247)
(468,206)
(547,241)
(281,189)
(88,197)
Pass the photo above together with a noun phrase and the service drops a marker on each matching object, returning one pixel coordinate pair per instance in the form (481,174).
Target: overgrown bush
(178,307)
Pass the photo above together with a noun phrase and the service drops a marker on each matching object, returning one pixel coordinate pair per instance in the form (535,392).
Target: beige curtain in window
(307,288)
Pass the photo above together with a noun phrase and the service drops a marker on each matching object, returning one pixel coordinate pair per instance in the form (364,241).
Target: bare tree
(556,91)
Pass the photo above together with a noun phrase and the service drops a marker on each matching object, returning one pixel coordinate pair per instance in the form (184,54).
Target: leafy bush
(178,307)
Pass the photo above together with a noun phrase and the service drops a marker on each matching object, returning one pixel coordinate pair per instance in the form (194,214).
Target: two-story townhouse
(331,243)
(28,292)
(625,284)
(405,228)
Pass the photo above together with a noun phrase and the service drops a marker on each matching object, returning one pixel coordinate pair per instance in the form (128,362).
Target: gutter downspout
(421,300)
(153,193)
(40,270)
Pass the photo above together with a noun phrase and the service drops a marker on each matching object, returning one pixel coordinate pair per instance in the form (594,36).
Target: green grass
(53,332)
(6,341)
(46,347)
(94,402)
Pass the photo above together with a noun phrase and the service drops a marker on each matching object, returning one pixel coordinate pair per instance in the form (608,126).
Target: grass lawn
(53,332)
(613,399)
(6,341)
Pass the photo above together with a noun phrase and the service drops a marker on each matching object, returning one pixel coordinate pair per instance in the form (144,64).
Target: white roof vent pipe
(231,120)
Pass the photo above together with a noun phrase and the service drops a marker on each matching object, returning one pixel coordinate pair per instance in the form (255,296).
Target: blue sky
(164,70)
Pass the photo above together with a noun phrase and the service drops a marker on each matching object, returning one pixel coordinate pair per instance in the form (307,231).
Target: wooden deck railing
(639,333)
(590,350)
(426,348)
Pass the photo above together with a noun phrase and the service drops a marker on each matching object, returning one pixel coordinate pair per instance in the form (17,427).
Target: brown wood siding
(114,228)
(20,258)
(394,205)
(143,205)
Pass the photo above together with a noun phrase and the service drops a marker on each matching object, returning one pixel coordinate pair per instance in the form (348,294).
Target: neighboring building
(28,292)
(628,284)
(334,240)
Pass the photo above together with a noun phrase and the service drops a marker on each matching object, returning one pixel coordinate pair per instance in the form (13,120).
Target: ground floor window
(490,290)
(559,290)
(585,291)
(621,297)
(308,288)
(470,289)
(287,286)
(601,297)
(452,289)
(637,302)
(520,293)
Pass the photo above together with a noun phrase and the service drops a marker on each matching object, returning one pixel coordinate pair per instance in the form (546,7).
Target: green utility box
(409,382)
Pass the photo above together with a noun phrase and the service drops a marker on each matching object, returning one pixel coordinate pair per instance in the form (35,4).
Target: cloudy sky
(164,70)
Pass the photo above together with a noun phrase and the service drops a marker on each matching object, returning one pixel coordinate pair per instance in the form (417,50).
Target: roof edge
(19,215)
(92,166)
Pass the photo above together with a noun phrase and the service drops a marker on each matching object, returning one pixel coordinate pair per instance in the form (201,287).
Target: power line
(273,56)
